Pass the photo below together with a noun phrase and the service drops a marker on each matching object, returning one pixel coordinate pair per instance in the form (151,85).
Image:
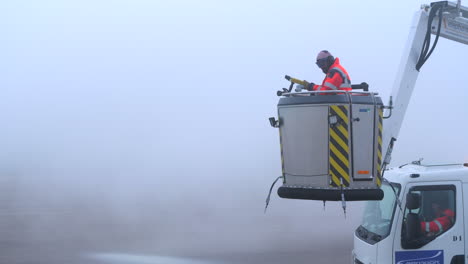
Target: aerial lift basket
(331,145)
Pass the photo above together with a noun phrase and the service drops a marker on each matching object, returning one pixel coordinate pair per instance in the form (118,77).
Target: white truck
(392,228)
(388,235)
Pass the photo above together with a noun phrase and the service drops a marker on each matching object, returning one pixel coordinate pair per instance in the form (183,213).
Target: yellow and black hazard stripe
(339,146)
(378,180)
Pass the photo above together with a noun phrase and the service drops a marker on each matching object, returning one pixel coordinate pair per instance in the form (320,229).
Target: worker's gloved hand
(310,86)
(299,88)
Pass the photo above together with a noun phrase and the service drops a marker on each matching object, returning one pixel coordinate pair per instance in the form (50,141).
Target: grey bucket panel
(303,139)
(363,141)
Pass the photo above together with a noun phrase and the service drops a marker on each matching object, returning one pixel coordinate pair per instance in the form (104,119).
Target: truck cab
(396,229)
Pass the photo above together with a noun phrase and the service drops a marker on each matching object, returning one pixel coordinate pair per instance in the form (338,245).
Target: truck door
(431,229)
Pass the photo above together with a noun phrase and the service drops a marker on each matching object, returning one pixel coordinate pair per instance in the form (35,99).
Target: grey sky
(167,101)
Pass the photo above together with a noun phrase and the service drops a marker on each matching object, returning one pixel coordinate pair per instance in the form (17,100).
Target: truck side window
(430,213)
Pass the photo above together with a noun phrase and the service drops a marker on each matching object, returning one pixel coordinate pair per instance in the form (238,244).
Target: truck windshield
(378,215)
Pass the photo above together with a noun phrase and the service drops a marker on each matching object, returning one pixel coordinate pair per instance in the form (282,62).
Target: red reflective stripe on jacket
(445,220)
(334,78)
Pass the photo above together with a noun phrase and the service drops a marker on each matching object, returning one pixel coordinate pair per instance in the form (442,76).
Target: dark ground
(40,226)
(20,244)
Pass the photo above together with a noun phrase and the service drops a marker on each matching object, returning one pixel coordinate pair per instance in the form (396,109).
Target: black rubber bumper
(330,195)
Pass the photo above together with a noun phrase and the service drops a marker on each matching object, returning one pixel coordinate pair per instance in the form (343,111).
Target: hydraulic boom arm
(444,19)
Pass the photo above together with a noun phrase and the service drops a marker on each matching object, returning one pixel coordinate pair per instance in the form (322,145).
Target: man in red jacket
(336,78)
(443,220)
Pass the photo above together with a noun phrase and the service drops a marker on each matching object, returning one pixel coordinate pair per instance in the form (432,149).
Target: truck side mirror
(413,224)
(413,227)
(413,201)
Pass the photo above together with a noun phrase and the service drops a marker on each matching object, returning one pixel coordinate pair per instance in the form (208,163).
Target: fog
(140,127)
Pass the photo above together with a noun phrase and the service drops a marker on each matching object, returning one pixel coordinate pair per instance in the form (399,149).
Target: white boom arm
(454,26)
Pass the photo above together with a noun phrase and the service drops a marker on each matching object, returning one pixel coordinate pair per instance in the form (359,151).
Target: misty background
(141,126)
